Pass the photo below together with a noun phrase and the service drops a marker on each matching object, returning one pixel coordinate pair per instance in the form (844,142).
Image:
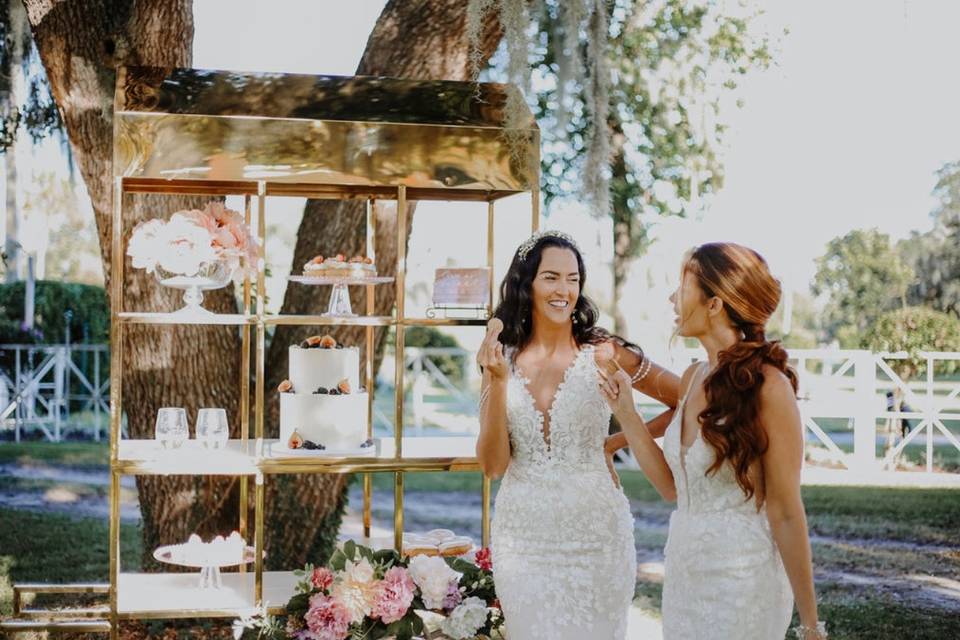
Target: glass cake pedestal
(339,306)
(210,578)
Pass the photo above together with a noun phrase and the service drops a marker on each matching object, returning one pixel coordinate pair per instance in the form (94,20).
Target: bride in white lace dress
(564,561)
(738,552)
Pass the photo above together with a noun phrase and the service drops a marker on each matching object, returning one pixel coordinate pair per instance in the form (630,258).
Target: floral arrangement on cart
(370,594)
(196,250)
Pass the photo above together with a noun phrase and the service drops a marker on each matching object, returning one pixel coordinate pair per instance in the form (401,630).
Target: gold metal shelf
(136,317)
(202,187)
(444,322)
(356,321)
(419,454)
(466,162)
(57,626)
(176,595)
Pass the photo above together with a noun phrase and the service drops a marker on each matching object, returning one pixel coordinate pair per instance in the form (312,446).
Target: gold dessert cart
(217,133)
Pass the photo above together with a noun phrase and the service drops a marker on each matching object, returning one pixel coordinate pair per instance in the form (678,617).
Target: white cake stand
(209,569)
(339,305)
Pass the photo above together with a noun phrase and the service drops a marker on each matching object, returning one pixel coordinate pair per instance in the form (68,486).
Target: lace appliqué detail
(563,554)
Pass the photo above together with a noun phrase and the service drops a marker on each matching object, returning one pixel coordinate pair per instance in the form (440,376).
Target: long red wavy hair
(730,424)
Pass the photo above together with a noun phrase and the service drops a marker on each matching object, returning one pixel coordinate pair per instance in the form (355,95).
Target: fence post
(96,395)
(864,416)
(17,415)
(59,376)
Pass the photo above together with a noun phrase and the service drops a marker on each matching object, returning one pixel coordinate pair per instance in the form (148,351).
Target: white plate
(172,554)
(280,450)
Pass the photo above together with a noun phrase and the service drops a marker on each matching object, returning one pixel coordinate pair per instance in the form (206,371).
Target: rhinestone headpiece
(540,235)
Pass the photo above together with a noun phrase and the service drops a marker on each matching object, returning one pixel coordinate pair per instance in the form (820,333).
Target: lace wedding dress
(723,576)
(563,553)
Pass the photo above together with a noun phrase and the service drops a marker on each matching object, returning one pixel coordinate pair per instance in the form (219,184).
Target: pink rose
(202,219)
(321,578)
(394,595)
(483,559)
(327,618)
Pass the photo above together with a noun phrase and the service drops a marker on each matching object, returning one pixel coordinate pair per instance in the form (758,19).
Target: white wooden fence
(35,390)
(843,403)
(843,399)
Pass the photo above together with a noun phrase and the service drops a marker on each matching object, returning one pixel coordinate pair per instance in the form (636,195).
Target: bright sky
(845,131)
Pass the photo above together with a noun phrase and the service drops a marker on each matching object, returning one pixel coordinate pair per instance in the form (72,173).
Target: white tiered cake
(321,405)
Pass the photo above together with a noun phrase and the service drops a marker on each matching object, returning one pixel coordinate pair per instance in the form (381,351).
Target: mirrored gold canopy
(195,129)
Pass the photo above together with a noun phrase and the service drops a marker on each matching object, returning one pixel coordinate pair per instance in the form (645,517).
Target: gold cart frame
(163,145)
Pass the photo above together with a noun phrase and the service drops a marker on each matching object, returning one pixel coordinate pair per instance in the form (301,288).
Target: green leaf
(338,561)
(350,550)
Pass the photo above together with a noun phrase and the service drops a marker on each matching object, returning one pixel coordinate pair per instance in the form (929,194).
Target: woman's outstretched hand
(490,356)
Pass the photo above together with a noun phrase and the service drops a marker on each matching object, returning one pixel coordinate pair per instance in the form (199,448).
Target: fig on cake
(285,386)
(295,441)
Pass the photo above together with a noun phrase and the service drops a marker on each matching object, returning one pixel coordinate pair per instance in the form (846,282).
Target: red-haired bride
(738,553)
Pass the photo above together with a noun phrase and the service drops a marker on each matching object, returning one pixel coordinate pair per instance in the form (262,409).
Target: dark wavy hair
(730,424)
(516,300)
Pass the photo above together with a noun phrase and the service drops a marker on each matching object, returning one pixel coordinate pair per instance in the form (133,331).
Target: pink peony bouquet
(193,238)
(370,594)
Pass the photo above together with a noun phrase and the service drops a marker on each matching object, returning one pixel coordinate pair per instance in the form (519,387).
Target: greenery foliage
(862,276)
(935,255)
(915,329)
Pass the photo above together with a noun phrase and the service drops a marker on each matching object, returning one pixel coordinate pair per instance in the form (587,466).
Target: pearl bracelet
(642,371)
(483,398)
(803,632)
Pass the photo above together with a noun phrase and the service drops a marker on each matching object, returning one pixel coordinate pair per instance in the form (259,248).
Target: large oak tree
(81,43)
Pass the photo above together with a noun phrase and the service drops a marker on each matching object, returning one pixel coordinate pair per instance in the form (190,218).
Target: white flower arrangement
(193,238)
(433,575)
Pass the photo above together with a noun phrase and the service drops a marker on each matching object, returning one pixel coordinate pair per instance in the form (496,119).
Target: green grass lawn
(78,455)
(930,516)
(872,531)
(41,547)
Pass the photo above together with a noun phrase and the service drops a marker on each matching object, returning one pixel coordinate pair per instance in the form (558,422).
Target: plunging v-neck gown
(563,552)
(723,575)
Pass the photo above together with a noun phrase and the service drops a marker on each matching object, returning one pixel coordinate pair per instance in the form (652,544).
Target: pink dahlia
(327,618)
(394,595)
(321,578)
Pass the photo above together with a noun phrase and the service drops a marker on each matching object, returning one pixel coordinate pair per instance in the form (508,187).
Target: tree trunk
(81,44)
(16,25)
(623,221)
(421,39)
(11,249)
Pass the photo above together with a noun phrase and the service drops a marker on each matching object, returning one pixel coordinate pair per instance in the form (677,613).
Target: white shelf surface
(191,458)
(177,595)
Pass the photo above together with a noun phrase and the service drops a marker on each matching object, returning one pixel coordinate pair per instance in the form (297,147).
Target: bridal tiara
(538,236)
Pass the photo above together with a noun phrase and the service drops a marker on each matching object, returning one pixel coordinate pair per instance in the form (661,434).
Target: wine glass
(212,428)
(171,428)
